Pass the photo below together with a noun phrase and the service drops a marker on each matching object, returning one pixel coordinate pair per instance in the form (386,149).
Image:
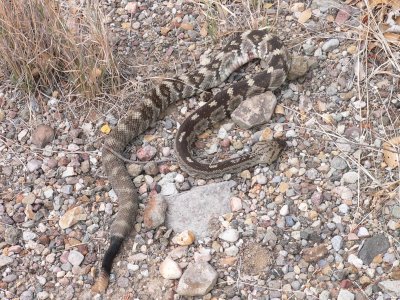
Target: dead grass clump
(46,47)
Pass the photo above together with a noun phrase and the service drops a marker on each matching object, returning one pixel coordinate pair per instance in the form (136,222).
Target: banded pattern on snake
(253,44)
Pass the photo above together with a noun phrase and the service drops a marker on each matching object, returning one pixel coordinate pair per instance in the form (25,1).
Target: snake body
(254,44)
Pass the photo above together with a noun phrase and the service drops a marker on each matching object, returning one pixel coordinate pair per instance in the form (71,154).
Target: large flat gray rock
(196,209)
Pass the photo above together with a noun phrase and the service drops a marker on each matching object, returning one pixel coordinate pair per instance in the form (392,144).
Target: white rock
(363,232)
(236,204)
(197,280)
(179,178)
(355,261)
(75,257)
(229,235)
(303,206)
(5,260)
(350,177)
(284,211)
(69,171)
(232,250)
(391,287)
(169,269)
(345,295)
(28,235)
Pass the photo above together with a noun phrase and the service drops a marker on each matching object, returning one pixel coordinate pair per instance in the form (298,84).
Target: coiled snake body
(242,49)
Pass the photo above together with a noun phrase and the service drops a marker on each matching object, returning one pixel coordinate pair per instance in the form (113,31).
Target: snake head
(268,151)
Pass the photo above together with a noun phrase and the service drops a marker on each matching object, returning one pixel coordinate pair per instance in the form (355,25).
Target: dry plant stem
(44,46)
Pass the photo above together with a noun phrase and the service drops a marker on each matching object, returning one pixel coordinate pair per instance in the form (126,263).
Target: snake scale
(250,45)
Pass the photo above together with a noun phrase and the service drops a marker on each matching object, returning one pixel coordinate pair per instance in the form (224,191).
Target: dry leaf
(390,153)
(305,16)
(105,129)
(268,5)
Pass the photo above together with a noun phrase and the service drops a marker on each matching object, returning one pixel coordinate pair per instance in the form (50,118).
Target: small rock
(345,295)
(284,211)
(337,242)
(355,261)
(34,164)
(146,153)
(5,260)
(168,189)
(154,213)
(338,163)
(11,235)
(229,235)
(373,246)
(184,238)
(123,282)
(75,257)
(350,177)
(134,169)
(69,171)
(169,269)
(255,111)
(42,136)
(151,168)
(236,204)
(72,216)
(28,235)
(392,287)
(298,68)
(26,295)
(232,250)
(67,189)
(315,254)
(197,280)
(330,45)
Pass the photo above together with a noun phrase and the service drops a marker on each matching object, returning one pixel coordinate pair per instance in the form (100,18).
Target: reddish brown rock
(154,213)
(314,254)
(42,136)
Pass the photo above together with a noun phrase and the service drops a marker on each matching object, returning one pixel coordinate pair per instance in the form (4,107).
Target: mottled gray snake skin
(254,44)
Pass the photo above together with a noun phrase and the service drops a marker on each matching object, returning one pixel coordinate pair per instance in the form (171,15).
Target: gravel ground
(321,223)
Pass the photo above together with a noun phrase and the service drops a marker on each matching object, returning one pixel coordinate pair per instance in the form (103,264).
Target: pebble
(69,171)
(134,169)
(184,238)
(168,189)
(330,45)
(396,211)
(28,235)
(169,269)
(123,282)
(232,250)
(75,257)
(350,177)
(373,246)
(392,287)
(229,235)
(42,136)
(345,295)
(197,280)
(355,261)
(337,242)
(284,211)
(338,163)
(146,153)
(154,213)
(236,204)
(34,165)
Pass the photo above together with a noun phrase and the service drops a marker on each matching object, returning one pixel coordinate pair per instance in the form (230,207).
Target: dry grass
(45,48)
